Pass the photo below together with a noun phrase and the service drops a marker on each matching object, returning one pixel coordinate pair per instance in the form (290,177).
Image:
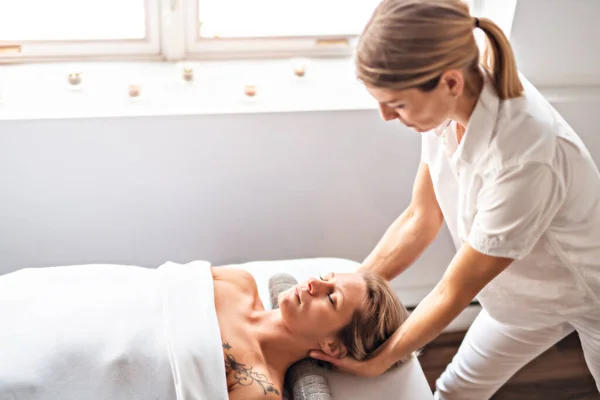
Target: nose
(387,113)
(317,287)
(403,121)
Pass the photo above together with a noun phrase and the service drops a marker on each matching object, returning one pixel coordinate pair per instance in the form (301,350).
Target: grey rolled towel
(277,284)
(305,379)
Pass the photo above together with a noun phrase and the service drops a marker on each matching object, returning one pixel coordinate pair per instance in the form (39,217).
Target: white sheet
(100,332)
(406,383)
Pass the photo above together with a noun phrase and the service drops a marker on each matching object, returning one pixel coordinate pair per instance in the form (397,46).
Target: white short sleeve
(514,209)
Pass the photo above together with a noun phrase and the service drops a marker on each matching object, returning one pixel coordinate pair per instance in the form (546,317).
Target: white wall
(223,188)
(556,41)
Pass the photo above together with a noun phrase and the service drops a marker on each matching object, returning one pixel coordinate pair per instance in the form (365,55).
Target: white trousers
(492,352)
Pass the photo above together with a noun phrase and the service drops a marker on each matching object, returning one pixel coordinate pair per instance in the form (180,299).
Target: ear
(454,82)
(334,348)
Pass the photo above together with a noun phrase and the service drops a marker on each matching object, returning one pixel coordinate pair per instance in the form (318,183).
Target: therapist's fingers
(349,364)
(319,355)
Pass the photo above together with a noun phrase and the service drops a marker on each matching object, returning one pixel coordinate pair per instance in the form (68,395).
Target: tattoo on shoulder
(244,375)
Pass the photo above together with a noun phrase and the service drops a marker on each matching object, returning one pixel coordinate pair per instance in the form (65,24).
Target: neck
(279,346)
(467,102)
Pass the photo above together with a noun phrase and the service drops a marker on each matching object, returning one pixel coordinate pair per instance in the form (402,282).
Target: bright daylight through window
(72,20)
(282,18)
(180,29)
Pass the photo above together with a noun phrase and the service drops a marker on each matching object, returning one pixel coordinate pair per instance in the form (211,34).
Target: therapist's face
(419,110)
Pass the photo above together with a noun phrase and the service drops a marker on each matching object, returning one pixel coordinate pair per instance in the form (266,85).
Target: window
(275,27)
(72,20)
(179,29)
(245,28)
(62,28)
(282,18)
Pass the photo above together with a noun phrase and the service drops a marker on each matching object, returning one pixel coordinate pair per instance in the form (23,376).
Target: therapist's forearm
(403,242)
(428,320)
(468,273)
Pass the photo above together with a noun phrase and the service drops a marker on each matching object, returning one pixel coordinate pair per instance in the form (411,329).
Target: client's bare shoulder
(241,281)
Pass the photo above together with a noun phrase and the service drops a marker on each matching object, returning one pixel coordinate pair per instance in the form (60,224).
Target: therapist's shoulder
(527,128)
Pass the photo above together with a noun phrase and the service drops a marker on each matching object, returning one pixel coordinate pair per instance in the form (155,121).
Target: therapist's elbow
(426,219)
(457,298)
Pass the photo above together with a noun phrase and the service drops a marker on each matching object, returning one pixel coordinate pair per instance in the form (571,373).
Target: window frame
(148,47)
(277,47)
(198,47)
(173,34)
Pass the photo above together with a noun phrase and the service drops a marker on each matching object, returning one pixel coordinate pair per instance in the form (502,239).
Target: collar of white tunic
(479,130)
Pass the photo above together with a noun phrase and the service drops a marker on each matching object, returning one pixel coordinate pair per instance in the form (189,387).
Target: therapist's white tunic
(521,184)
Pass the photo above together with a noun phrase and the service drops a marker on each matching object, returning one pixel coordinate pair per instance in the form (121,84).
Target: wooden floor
(558,374)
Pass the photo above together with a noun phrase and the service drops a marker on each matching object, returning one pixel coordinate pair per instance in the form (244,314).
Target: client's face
(321,307)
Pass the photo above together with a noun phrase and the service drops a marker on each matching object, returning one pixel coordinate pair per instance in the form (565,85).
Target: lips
(297,293)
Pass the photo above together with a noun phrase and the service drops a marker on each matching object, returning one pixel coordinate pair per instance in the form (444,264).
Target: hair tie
(476,22)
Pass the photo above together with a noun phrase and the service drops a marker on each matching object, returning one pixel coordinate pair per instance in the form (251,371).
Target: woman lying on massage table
(178,331)
(341,314)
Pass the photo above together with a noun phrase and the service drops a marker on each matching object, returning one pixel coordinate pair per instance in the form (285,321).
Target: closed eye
(396,106)
(329,295)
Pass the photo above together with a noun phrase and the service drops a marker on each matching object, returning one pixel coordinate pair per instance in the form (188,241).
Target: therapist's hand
(350,365)
(377,364)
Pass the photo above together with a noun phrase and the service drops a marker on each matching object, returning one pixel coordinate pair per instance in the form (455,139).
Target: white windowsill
(41,91)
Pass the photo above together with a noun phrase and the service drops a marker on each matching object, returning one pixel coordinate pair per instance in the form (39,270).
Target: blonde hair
(374,322)
(410,43)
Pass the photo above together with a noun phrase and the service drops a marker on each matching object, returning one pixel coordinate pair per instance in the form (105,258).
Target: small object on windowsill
(74,79)
(134,91)
(188,74)
(251,93)
(300,71)
(250,90)
(299,65)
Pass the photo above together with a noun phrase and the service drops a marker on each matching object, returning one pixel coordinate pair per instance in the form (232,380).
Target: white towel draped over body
(110,332)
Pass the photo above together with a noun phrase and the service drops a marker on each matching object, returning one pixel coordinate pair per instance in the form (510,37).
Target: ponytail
(499,59)
(410,43)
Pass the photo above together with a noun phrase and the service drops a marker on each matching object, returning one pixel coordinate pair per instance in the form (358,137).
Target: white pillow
(301,269)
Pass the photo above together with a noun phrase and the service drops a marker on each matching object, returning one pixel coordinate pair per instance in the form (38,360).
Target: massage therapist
(516,186)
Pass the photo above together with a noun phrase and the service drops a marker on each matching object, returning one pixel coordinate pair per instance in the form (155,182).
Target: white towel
(100,332)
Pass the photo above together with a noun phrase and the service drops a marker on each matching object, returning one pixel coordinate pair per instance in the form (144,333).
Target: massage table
(405,383)
(136,336)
